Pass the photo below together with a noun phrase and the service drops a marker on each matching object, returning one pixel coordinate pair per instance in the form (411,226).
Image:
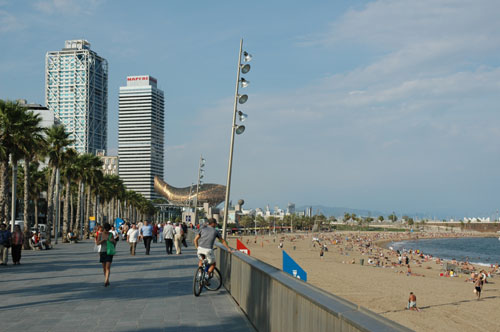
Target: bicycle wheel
(215,282)
(198,281)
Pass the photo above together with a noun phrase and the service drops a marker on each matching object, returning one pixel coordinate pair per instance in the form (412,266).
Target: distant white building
(140,134)
(76,91)
(109,163)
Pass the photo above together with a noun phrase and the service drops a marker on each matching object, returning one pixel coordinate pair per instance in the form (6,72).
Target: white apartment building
(76,91)
(109,163)
(140,134)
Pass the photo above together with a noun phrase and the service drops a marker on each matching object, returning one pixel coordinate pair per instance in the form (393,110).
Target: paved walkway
(62,290)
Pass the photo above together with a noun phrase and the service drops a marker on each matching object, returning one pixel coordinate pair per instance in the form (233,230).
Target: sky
(388,105)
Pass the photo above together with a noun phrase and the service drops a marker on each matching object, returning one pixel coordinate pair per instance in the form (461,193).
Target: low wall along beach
(275,301)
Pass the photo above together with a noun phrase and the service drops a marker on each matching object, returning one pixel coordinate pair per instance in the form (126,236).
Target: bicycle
(212,283)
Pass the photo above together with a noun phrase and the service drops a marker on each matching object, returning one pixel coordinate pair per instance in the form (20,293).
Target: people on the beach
(412,302)
(478,286)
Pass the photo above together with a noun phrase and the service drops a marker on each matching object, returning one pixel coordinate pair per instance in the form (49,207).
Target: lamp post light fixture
(201,172)
(243,68)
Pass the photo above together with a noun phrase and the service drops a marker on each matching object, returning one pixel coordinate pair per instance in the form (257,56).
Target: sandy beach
(446,303)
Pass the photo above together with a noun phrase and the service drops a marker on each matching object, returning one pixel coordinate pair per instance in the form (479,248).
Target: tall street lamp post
(243,68)
(200,176)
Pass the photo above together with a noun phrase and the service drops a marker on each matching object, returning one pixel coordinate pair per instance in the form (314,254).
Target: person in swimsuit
(412,302)
(477,286)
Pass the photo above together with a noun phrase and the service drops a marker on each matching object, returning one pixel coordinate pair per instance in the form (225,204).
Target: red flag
(241,247)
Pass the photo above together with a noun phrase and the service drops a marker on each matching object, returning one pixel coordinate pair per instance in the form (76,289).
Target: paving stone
(62,290)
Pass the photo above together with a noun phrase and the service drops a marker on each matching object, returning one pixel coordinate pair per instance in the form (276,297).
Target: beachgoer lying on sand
(412,302)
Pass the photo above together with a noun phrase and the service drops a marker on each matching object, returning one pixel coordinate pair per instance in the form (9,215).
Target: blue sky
(383,105)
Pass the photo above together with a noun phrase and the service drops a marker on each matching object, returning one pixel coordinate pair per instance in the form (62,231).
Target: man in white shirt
(168,235)
(178,238)
(132,235)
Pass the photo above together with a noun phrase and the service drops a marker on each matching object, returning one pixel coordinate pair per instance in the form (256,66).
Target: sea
(483,251)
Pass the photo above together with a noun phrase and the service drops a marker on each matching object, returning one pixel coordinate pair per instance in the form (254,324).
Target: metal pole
(233,127)
(57,205)
(198,185)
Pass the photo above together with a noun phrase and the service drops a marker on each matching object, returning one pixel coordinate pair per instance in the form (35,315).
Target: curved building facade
(210,193)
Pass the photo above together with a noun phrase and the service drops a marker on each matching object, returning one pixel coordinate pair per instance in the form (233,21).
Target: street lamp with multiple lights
(243,68)
(201,173)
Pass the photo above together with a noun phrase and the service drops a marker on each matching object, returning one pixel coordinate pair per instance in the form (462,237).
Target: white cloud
(9,22)
(67,7)
(430,93)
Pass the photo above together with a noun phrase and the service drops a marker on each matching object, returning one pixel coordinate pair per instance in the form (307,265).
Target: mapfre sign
(138,78)
(141,78)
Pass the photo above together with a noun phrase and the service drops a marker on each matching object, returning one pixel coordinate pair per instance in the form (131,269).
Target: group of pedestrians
(106,238)
(14,241)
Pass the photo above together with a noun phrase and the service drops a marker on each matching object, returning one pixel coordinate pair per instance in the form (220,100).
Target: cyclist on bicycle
(204,242)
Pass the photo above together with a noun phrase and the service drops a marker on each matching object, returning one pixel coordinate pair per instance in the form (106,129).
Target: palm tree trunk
(66,214)
(4,178)
(72,212)
(87,215)
(79,211)
(35,202)
(26,201)
(14,193)
(50,201)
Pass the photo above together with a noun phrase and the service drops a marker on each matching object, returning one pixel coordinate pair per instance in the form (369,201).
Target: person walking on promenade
(103,240)
(160,232)
(178,238)
(132,235)
(184,234)
(5,242)
(168,235)
(17,244)
(147,235)
(155,233)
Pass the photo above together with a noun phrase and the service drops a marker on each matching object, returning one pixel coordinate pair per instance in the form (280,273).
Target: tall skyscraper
(76,90)
(140,134)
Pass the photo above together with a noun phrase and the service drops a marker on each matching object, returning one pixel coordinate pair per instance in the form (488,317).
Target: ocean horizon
(477,250)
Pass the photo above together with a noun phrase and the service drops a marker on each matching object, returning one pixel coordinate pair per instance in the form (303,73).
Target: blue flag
(291,267)
(118,223)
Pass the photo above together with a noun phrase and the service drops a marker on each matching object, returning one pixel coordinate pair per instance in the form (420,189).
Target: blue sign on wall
(291,267)
(92,225)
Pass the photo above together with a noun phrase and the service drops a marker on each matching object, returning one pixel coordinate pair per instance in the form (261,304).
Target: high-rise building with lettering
(76,81)
(140,134)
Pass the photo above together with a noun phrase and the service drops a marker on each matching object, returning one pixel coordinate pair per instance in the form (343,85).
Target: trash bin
(362,261)
(293,247)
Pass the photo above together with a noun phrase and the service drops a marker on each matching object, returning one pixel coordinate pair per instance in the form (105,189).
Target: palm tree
(69,170)
(38,185)
(86,164)
(32,146)
(24,139)
(11,122)
(57,140)
(93,176)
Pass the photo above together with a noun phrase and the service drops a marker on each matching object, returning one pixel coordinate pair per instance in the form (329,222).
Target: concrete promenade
(62,290)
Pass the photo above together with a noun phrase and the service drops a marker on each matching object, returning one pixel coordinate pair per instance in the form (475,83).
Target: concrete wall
(275,301)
